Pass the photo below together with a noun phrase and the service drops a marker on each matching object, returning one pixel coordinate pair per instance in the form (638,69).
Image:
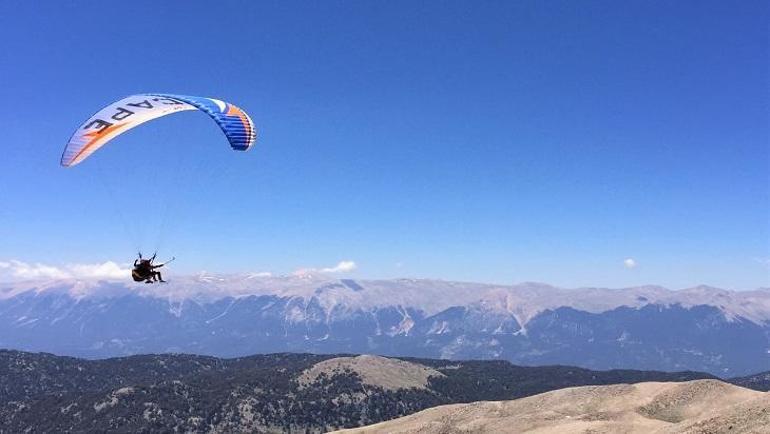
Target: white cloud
(259,274)
(107,270)
(629,263)
(20,270)
(23,270)
(763,261)
(341,267)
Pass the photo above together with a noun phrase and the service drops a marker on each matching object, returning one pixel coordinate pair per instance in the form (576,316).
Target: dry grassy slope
(701,406)
(390,374)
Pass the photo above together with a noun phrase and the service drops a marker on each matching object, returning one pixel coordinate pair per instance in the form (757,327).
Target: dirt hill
(701,406)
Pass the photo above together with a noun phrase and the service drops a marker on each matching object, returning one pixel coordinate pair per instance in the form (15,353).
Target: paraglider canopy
(135,110)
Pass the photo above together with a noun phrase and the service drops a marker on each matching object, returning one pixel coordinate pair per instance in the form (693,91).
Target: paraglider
(134,110)
(144,269)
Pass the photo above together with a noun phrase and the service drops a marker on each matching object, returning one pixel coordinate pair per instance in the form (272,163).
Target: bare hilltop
(700,406)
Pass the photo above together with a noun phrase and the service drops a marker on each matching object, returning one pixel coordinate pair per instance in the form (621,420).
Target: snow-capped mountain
(706,329)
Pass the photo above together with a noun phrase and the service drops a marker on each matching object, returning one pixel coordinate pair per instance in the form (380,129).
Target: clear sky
(490,141)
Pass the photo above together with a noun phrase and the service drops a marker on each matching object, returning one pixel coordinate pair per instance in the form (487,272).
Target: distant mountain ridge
(759,381)
(266,393)
(707,329)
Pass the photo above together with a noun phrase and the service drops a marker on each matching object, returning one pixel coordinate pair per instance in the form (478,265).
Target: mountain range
(723,332)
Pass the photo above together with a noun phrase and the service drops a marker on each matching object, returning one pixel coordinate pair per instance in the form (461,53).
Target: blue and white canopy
(135,110)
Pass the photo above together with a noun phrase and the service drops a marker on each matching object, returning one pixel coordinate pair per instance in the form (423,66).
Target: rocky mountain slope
(268,393)
(702,406)
(723,332)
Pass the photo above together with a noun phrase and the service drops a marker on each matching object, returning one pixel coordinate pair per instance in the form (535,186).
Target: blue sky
(486,141)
